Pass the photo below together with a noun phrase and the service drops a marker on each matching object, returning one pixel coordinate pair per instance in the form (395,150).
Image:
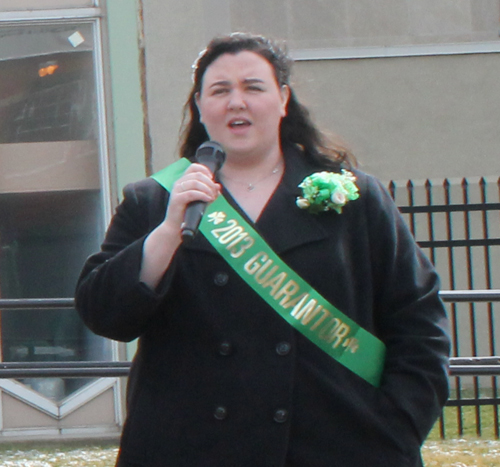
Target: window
(51,202)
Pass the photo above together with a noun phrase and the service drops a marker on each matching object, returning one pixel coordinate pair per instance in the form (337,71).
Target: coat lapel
(282,224)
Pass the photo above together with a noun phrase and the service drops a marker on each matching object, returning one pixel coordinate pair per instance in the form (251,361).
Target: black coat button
(225,348)
(221,279)
(283,348)
(280,416)
(220,413)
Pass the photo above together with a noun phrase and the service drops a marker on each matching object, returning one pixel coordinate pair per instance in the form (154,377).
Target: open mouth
(239,123)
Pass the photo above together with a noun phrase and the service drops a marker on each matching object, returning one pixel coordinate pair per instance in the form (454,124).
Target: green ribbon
(283,289)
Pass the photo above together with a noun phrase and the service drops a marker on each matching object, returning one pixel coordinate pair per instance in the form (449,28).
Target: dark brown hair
(297,128)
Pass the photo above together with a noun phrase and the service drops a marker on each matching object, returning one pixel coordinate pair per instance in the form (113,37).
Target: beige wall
(338,23)
(411,117)
(174,33)
(97,414)
(405,117)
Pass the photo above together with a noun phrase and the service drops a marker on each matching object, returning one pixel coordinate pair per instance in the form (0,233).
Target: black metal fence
(457,223)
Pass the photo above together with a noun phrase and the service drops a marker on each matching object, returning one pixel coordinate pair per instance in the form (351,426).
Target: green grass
(466,450)
(447,453)
(468,417)
(58,455)
(462,453)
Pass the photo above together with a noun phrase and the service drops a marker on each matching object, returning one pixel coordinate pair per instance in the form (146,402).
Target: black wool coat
(220,380)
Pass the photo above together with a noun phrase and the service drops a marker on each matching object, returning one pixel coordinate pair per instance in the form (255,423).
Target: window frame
(95,16)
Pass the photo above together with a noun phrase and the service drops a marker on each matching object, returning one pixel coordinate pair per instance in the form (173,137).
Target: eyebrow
(227,83)
(219,83)
(253,80)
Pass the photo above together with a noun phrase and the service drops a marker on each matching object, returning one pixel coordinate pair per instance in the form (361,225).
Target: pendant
(250,187)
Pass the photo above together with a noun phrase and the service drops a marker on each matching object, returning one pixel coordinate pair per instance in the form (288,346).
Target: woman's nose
(236,102)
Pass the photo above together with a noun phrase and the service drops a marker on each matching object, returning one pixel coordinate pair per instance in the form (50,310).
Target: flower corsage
(323,191)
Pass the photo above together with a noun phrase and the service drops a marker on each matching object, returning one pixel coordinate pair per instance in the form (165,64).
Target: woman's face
(241,104)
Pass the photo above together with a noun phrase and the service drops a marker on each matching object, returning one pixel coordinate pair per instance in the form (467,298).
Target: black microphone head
(211,154)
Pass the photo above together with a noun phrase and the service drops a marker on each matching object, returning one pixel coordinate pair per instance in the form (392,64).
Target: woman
(220,378)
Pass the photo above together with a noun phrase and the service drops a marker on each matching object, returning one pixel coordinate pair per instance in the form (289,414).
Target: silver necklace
(251,186)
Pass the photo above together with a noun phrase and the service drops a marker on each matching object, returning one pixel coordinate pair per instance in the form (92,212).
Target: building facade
(91,97)
(56,196)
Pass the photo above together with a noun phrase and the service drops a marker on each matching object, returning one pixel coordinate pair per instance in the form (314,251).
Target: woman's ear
(285,97)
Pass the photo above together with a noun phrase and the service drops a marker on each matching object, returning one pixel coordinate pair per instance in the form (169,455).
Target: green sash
(284,290)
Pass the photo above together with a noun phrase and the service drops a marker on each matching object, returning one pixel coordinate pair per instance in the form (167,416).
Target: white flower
(302,203)
(338,198)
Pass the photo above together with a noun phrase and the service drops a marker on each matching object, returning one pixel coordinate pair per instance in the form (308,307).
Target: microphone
(211,155)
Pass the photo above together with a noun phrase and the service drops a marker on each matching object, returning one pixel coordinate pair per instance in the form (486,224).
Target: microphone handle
(192,217)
